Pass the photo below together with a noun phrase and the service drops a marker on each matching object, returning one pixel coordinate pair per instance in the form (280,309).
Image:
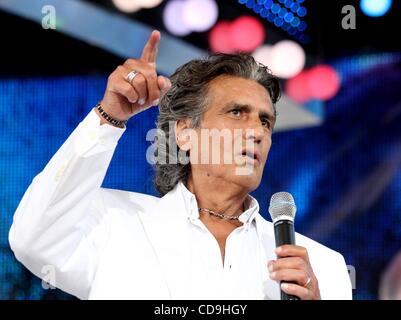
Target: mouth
(251,156)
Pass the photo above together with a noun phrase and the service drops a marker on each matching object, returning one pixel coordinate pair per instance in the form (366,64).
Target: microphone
(282,211)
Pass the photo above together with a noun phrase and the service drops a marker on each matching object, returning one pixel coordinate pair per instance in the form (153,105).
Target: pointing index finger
(149,53)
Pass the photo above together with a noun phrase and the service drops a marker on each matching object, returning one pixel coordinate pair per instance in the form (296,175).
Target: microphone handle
(284,234)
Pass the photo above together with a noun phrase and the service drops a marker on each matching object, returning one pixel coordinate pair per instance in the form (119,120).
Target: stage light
(323,82)
(287,59)
(278,22)
(288,17)
(295,22)
(219,40)
(173,18)
(270,17)
(288,3)
(127,5)
(301,11)
(135,5)
(250,4)
(296,88)
(262,54)
(200,15)
(149,3)
(268,4)
(302,26)
(294,7)
(375,8)
(275,8)
(264,13)
(247,33)
(282,12)
(257,8)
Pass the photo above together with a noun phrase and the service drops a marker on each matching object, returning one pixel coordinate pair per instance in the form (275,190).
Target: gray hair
(188,99)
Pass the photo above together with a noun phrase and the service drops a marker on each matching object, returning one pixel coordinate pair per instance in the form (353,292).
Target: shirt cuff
(91,133)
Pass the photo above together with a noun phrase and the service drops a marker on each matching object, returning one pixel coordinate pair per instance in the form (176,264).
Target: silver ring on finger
(130,76)
(308,284)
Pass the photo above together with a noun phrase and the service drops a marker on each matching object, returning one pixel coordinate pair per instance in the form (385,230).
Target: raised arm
(60,223)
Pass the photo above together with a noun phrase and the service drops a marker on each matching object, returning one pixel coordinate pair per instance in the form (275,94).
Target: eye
(235,112)
(266,123)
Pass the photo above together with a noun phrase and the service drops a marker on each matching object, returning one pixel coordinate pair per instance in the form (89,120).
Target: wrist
(105,117)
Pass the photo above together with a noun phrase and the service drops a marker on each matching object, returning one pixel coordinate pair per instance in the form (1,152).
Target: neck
(218,195)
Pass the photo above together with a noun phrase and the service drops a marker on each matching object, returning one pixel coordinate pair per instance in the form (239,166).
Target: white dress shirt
(113,244)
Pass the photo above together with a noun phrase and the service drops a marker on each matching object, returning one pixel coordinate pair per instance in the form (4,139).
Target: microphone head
(282,207)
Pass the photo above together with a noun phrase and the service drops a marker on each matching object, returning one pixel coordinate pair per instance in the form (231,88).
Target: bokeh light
(173,18)
(297,88)
(149,3)
(323,82)
(375,8)
(247,33)
(135,5)
(287,58)
(200,15)
(219,41)
(262,54)
(127,5)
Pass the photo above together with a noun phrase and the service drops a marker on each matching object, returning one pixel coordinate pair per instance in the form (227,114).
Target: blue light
(282,12)
(301,11)
(250,4)
(278,22)
(375,8)
(261,1)
(291,31)
(242,1)
(295,22)
(264,13)
(270,17)
(282,1)
(288,17)
(275,8)
(288,3)
(294,7)
(268,4)
(302,26)
(300,1)
(257,8)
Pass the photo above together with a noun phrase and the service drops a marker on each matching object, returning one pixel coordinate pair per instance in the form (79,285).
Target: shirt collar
(192,211)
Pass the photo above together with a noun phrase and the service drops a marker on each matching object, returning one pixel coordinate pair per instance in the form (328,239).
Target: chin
(249,182)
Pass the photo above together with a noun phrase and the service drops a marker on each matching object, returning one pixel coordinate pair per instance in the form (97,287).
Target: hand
(122,99)
(293,266)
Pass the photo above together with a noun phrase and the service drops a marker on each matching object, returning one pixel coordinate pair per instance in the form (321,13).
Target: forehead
(226,89)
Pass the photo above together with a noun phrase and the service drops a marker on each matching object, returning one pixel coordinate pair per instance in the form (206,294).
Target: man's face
(238,125)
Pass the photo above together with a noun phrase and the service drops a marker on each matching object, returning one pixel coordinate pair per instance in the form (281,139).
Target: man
(204,239)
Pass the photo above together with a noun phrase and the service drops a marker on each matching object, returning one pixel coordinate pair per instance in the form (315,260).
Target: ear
(183,134)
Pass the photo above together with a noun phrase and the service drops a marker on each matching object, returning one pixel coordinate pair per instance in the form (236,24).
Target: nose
(255,131)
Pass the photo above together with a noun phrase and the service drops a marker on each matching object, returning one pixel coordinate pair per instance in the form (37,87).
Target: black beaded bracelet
(118,123)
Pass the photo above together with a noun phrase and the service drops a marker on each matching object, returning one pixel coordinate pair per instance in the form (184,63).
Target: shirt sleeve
(57,228)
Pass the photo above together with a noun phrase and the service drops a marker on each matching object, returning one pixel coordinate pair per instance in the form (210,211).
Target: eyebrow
(248,107)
